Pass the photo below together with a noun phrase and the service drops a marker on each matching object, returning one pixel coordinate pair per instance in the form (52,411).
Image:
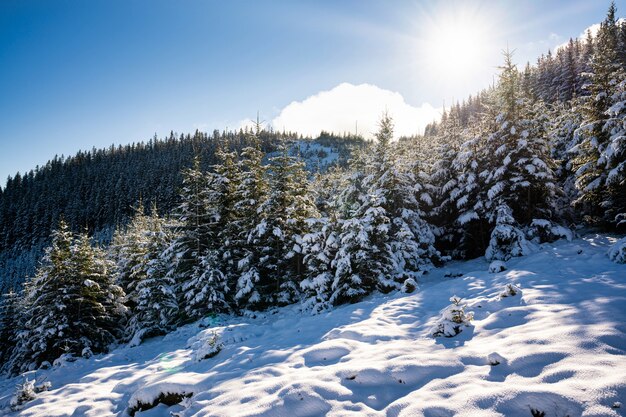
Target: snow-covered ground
(557,346)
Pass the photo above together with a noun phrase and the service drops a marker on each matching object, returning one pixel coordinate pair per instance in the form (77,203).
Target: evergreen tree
(445,179)
(252,189)
(283,223)
(155,307)
(193,234)
(596,134)
(363,261)
(565,119)
(71,305)
(9,322)
(128,251)
(520,175)
(207,290)
(410,238)
(320,248)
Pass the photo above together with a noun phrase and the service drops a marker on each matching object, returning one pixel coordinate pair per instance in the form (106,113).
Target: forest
(144,238)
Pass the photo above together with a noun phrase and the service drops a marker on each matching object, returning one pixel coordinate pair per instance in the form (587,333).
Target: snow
(497,266)
(557,346)
(617,252)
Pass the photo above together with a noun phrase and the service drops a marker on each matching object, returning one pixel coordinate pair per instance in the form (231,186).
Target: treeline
(96,190)
(254,232)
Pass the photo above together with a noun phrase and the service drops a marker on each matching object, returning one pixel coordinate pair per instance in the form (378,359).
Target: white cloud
(345,106)
(583,35)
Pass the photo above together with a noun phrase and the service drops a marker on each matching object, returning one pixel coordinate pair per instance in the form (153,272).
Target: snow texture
(497,266)
(617,252)
(558,347)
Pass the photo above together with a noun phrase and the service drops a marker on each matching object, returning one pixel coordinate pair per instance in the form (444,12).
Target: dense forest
(235,223)
(97,190)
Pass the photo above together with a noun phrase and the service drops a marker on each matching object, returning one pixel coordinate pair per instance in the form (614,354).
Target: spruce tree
(9,322)
(597,194)
(128,250)
(252,189)
(519,173)
(71,306)
(193,234)
(277,236)
(410,238)
(320,247)
(155,307)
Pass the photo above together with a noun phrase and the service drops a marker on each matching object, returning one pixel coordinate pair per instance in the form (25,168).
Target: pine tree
(597,195)
(363,259)
(193,234)
(565,119)
(468,193)
(283,223)
(97,315)
(520,174)
(251,191)
(410,238)
(9,321)
(207,290)
(614,157)
(445,180)
(71,305)
(507,240)
(567,77)
(155,307)
(321,244)
(128,251)
(320,248)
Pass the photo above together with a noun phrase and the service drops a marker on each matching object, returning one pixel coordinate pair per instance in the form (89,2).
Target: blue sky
(79,74)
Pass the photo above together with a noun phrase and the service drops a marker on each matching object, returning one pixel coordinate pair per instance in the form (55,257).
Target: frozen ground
(558,346)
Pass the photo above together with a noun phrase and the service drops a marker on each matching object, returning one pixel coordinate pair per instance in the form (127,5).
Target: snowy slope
(561,344)
(316,157)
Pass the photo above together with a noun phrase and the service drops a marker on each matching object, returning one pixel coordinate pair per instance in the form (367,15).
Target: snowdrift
(547,337)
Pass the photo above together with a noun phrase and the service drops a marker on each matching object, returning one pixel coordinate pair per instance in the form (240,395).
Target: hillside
(97,190)
(557,347)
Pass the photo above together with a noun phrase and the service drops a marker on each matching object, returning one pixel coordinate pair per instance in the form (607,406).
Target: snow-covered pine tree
(321,244)
(192,231)
(252,189)
(320,247)
(128,250)
(614,156)
(410,238)
(44,318)
(565,119)
(353,276)
(507,240)
(284,214)
(363,260)
(97,315)
(568,71)
(223,200)
(596,137)
(70,306)
(519,174)
(207,289)
(155,306)
(468,195)
(445,179)
(584,65)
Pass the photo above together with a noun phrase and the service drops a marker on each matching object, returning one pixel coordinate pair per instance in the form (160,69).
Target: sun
(454,46)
